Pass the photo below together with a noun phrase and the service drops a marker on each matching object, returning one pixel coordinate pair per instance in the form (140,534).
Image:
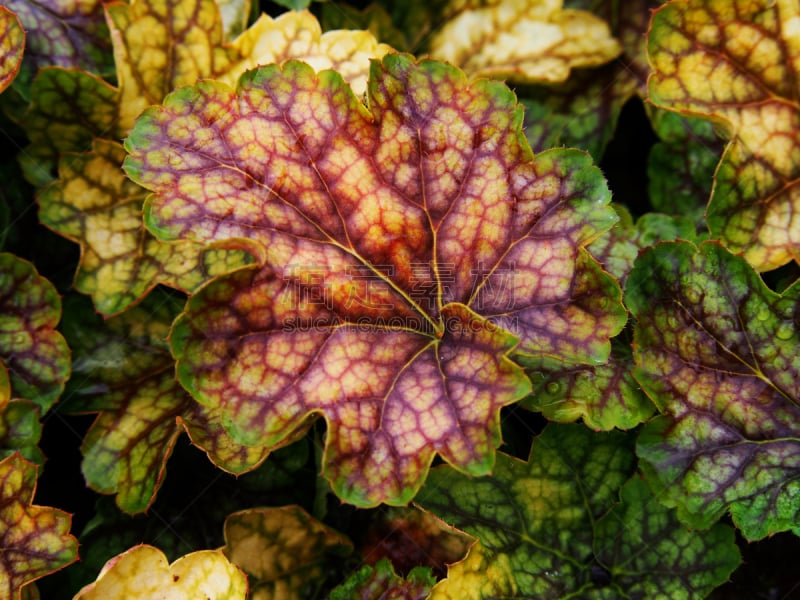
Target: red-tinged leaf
(35,354)
(733,62)
(143,573)
(35,539)
(285,551)
(64,34)
(126,375)
(12,46)
(719,354)
(381,314)
(381,582)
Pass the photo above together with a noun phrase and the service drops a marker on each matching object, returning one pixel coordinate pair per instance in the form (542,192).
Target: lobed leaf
(522,40)
(35,354)
(127,378)
(142,573)
(95,205)
(12,46)
(734,63)
(35,539)
(20,429)
(398,242)
(583,110)
(552,527)
(717,351)
(284,551)
(379,581)
(65,34)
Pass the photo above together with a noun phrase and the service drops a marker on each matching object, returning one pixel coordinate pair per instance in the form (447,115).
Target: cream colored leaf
(523,40)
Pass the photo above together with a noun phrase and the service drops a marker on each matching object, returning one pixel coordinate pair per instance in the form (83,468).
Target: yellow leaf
(523,40)
(142,573)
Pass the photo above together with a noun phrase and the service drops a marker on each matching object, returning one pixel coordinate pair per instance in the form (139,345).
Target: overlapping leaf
(399,240)
(66,34)
(12,46)
(124,372)
(719,353)
(380,581)
(680,168)
(522,40)
(736,63)
(94,204)
(552,527)
(284,551)
(143,573)
(35,354)
(583,111)
(35,539)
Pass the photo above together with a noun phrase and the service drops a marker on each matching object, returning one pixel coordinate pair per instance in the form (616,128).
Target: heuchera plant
(469,299)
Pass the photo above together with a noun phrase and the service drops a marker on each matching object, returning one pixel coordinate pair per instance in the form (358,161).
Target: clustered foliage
(390,269)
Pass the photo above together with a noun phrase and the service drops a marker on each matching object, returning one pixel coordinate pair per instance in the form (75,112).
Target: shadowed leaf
(285,551)
(734,63)
(719,354)
(35,354)
(379,581)
(553,527)
(398,241)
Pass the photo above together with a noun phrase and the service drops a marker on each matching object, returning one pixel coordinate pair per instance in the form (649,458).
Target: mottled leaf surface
(605,396)
(65,34)
(12,46)
(95,205)
(126,374)
(522,40)
(680,168)
(35,354)
(583,111)
(143,572)
(20,429)
(35,539)
(284,551)
(735,63)
(718,353)
(398,241)
(553,527)
(380,581)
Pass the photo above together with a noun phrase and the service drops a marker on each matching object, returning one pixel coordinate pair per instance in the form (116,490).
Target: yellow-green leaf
(522,40)
(285,551)
(12,46)
(735,62)
(95,205)
(34,539)
(143,573)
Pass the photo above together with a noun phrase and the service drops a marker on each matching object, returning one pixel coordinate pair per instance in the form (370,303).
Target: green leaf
(719,354)
(142,573)
(680,168)
(552,527)
(64,34)
(373,18)
(12,46)
(35,354)
(379,581)
(583,111)
(733,63)
(127,377)
(285,551)
(35,539)
(388,316)
(521,40)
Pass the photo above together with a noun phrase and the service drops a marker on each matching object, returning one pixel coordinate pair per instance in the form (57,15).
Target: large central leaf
(405,250)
